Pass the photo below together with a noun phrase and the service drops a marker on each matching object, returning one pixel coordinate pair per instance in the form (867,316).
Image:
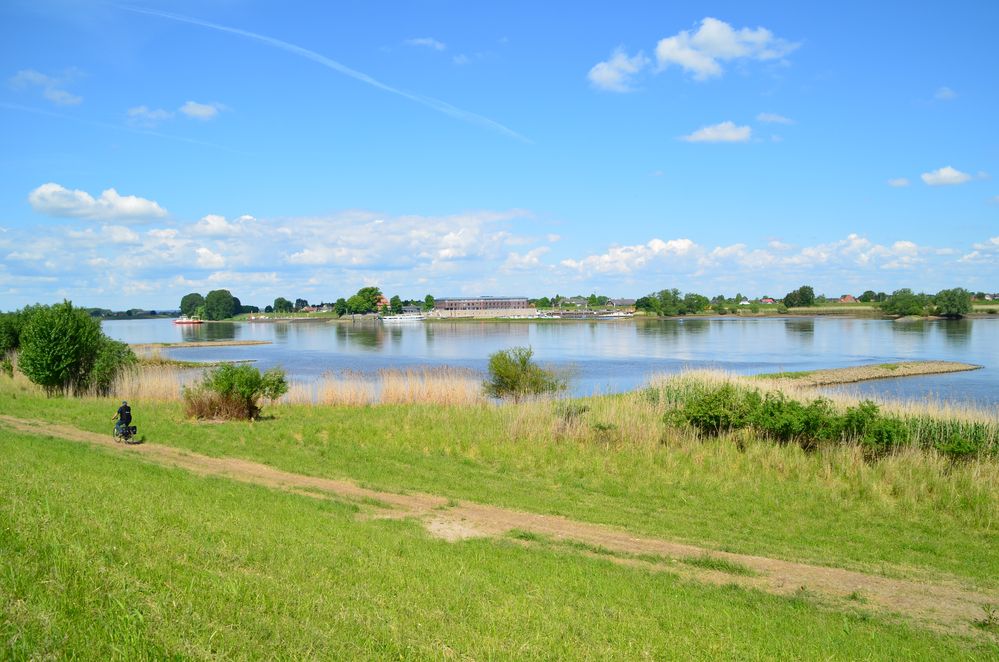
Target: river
(611,356)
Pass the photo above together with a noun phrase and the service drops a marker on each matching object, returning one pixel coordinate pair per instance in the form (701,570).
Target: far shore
(148,346)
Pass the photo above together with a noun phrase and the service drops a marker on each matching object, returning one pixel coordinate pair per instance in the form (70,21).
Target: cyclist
(124,416)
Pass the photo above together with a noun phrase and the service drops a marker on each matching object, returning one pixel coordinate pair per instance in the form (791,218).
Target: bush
(513,374)
(58,347)
(719,410)
(112,358)
(234,392)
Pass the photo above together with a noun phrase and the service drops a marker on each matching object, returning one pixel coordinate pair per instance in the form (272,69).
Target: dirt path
(939,605)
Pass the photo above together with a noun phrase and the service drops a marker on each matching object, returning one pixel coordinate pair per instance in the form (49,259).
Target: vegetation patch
(233,392)
(708,562)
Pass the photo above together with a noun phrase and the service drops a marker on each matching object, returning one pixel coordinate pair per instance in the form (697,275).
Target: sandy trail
(940,605)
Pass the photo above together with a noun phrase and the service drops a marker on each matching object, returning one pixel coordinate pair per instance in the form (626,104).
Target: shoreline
(855,374)
(147,346)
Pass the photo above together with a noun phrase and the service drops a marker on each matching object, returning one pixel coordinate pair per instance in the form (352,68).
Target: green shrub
(512,374)
(719,410)
(58,347)
(234,392)
(786,420)
(112,357)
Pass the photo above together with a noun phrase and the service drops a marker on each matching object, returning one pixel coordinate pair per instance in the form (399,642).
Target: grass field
(241,557)
(106,557)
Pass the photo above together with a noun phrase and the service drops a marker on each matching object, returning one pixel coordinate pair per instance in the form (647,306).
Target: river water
(611,356)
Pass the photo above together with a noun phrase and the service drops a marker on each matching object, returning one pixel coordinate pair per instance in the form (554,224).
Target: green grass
(105,557)
(903,516)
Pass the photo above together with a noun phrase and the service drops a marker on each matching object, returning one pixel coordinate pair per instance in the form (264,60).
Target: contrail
(116,127)
(436,104)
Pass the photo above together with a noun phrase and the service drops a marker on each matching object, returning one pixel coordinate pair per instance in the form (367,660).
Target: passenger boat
(184,319)
(403,317)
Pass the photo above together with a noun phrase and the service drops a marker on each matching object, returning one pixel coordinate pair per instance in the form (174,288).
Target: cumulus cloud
(702,53)
(529,260)
(208,259)
(946,176)
(55,200)
(51,86)
(214,225)
(725,132)
(202,111)
(773,118)
(426,42)
(615,74)
(898,182)
(627,259)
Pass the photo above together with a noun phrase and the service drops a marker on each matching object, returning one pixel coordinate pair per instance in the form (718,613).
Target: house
(847,298)
(308,309)
(621,303)
(411,309)
(382,302)
(768,300)
(744,302)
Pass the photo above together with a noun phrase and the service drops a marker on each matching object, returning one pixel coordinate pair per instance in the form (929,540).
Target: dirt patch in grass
(941,605)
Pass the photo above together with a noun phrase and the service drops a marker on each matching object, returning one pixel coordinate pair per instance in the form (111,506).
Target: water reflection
(607,355)
(956,332)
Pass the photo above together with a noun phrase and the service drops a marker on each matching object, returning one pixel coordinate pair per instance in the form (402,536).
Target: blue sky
(309,149)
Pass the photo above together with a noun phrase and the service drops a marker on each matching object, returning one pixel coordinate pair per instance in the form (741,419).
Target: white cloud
(426,42)
(214,225)
(779,245)
(773,118)
(898,182)
(725,132)
(202,111)
(946,176)
(627,259)
(616,73)
(702,52)
(56,200)
(944,94)
(461,59)
(52,87)
(207,259)
(147,117)
(529,260)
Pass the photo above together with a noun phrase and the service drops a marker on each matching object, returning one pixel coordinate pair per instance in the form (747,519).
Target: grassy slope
(899,516)
(104,557)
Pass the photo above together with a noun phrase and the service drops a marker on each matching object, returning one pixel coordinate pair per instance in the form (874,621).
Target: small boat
(184,319)
(403,317)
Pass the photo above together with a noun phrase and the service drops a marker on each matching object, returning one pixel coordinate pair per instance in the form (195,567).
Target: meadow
(249,567)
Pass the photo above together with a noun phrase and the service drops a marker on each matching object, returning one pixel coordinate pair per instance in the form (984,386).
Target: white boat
(403,317)
(184,319)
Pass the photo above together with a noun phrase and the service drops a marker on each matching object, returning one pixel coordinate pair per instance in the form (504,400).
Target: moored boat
(184,319)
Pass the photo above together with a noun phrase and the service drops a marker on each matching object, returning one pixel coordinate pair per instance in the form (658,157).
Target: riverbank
(582,469)
(856,374)
(149,346)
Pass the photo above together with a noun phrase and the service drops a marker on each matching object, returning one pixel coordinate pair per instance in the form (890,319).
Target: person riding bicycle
(124,416)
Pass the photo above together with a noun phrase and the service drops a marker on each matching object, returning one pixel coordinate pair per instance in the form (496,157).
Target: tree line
(221,304)
(954,302)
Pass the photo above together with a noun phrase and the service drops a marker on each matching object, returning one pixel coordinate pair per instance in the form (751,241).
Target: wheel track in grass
(940,605)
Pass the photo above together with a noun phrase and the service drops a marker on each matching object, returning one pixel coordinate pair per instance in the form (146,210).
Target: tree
(60,346)
(953,303)
(232,391)
(803,296)
(282,305)
(868,296)
(395,303)
(268,309)
(370,296)
(301,303)
(904,302)
(429,302)
(340,307)
(695,303)
(190,302)
(543,302)
(219,305)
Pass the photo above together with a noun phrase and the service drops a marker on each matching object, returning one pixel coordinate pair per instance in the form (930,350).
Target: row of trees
(954,302)
(218,305)
(62,348)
